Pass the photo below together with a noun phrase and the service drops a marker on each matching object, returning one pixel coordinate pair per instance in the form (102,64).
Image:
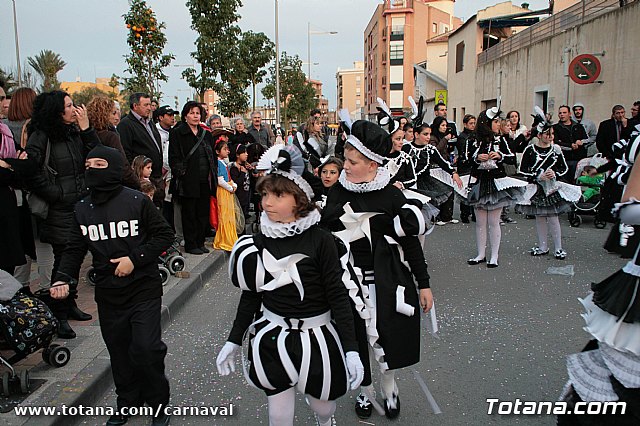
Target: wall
(542,65)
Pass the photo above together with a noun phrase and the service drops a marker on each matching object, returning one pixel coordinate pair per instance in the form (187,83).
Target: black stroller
(26,325)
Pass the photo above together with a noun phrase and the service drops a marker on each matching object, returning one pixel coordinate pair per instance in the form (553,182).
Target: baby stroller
(170,262)
(26,325)
(589,207)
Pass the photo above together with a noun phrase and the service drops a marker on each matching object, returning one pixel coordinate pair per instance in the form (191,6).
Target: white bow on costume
(356,225)
(284,271)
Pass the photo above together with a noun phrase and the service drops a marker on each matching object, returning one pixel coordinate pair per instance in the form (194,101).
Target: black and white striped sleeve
(245,265)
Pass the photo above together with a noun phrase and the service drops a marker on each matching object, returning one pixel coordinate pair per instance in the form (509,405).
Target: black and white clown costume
(379,226)
(294,310)
(608,368)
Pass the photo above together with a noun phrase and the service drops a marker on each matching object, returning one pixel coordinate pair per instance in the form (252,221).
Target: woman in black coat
(240,137)
(11,247)
(56,122)
(196,175)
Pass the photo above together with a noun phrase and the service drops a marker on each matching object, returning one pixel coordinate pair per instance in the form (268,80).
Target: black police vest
(112,230)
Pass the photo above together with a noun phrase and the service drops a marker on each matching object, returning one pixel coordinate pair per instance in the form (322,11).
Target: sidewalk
(88,374)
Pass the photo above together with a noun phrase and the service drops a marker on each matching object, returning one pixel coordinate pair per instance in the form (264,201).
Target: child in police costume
(290,274)
(379,225)
(125,234)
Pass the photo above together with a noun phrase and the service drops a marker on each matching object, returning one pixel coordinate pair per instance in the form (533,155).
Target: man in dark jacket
(261,133)
(139,136)
(571,138)
(611,131)
(125,233)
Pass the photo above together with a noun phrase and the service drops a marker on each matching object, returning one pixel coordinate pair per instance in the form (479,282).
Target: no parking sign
(584,69)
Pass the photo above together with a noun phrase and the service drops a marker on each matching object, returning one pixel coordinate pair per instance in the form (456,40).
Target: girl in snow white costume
(379,226)
(608,368)
(291,281)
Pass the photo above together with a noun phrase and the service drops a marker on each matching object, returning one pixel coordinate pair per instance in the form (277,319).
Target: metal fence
(571,17)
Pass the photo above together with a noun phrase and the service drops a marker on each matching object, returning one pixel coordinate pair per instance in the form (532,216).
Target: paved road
(504,333)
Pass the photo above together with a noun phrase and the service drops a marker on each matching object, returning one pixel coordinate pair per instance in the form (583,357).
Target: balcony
(556,24)
(397,6)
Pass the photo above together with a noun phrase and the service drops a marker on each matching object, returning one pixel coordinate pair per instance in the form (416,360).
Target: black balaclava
(104,183)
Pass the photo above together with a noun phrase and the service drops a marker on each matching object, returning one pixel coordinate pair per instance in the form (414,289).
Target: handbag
(240,220)
(38,206)
(178,173)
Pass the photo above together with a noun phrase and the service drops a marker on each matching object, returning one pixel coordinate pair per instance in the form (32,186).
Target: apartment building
(350,93)
(395,39)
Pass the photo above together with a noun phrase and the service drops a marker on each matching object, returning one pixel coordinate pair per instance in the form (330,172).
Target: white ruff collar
(380,181)
(272,229)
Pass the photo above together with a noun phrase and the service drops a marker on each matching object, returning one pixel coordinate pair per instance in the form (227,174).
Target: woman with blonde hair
(314,142)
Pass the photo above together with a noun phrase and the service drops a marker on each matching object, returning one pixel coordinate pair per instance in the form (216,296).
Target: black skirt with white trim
(286,352)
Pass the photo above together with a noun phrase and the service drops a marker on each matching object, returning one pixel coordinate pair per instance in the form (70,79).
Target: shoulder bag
(38,206)
(177,177)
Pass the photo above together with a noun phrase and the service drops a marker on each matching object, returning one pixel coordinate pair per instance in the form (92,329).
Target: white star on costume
(284,271)
(356,225)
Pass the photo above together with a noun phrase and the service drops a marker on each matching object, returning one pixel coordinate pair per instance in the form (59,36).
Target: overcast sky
(91,38)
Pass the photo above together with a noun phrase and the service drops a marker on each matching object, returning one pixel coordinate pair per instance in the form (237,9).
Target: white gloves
(355,368)
(225,361)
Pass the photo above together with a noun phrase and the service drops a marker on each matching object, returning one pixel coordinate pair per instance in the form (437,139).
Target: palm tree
(47,64)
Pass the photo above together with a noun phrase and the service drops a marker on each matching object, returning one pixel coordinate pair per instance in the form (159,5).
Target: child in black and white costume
(546,198)
(490,188)
(434,176)
(608,368)
(291,276)
(379,225)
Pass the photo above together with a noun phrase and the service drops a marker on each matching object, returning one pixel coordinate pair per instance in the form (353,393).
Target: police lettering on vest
(111,230)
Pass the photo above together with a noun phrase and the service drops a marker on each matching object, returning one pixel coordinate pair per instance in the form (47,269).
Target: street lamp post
(309,32)
(15,29)
(277,69)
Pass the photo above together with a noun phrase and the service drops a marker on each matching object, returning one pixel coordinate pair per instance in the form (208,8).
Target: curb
(93,381)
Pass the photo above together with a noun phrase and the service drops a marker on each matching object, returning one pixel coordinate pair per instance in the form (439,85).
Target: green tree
(146,60)
(114,83)
(214,21)
(85,95)
(297,97)
(256,50)
(47,64)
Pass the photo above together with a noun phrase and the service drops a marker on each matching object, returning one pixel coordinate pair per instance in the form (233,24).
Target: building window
(435,28)
(358,103)
(396,50)
(358,91)
(395,86)
(460,56)
(358,79)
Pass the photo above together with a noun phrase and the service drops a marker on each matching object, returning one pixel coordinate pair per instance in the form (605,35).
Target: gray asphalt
(504,333)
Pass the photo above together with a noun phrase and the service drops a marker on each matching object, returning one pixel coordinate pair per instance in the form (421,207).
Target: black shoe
(65,331)
(492,265)
(392,413)
(464,219)
(364,408)
(76,314)
(194,251)
(476,261)
(162,420)
(117,420)
(529,216)
(204,249)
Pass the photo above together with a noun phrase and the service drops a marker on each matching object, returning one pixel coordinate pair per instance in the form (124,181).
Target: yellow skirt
(226,234)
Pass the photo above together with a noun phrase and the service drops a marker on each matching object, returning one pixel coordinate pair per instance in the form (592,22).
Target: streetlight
(15,29)
(277,70)
(309,32)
